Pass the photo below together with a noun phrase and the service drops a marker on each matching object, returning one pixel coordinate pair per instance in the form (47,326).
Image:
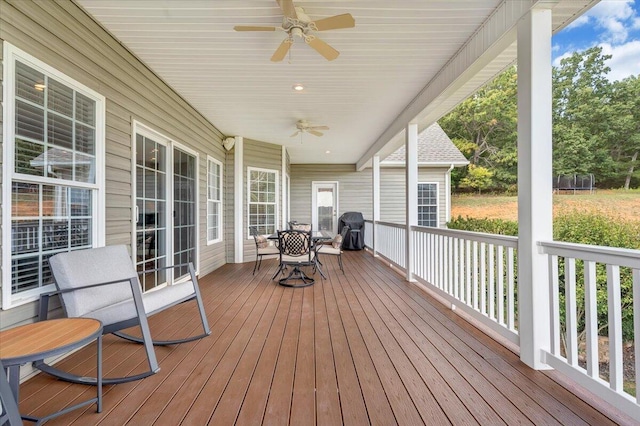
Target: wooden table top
(46,336)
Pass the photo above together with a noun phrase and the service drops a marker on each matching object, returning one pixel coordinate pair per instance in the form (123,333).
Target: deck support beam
(411,162)
(535,208)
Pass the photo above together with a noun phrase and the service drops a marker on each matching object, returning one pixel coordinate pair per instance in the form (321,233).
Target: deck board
(363,347)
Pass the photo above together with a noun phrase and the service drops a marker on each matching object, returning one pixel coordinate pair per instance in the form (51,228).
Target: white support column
(284,195)
(238,199)
(376,201)
(535,209)
(447,191)
(411,164)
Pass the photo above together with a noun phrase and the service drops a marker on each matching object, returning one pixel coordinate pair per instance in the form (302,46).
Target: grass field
(617,204)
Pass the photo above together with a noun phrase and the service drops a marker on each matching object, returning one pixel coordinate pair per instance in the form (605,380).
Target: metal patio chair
(263,248)
(102,283)
(297,251)
(335,248)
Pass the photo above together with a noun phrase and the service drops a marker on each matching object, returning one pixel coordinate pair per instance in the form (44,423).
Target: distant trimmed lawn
(617,204)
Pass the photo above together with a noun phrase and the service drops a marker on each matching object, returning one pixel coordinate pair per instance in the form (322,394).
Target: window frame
(276,203)
(437,204)
(11,55)
(219,201)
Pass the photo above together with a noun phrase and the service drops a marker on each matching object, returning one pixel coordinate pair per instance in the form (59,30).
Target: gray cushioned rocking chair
(102,283)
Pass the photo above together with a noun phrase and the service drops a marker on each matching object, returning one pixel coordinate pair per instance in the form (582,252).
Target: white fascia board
(426,163)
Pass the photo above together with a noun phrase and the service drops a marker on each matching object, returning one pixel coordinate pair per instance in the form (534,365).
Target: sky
(612,24)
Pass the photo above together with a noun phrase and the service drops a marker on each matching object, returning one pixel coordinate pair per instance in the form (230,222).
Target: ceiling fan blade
(320,127)
(314,132)
(282,50)
(288,8)
(336,22)
(323,48)
(295,134)
(250,28)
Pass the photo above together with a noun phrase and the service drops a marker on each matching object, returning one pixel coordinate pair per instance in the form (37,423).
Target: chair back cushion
(93,266)
(337,241)
(261,241)
(295,243)
(301,227)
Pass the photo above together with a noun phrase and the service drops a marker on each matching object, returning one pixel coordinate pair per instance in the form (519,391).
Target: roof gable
(434,147)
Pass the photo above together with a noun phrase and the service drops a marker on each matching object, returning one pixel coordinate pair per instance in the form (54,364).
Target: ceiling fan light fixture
(298,87)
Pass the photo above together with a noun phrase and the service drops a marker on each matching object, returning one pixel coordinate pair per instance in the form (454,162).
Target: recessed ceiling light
(327,152)
(297,87)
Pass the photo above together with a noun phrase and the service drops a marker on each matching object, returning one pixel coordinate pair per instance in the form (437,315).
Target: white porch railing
(473,271)
(610,278)
(477,273)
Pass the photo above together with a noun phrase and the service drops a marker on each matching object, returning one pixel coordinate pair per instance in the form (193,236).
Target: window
(214,201)
(263,198)
(53,179)
(428,204)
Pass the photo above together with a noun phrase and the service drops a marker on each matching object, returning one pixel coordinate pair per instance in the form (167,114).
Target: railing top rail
(609,255)
(393,225)
(502,240)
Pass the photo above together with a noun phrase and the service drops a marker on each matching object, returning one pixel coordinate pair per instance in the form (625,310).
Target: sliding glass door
(166,208)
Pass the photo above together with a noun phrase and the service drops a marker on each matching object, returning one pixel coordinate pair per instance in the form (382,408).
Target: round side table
(40,340)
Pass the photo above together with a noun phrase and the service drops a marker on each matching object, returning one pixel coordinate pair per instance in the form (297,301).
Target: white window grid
(262,194)
(214,201)
(428,204)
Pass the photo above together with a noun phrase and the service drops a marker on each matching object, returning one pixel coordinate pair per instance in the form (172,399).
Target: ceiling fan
(304,126)
(296,23)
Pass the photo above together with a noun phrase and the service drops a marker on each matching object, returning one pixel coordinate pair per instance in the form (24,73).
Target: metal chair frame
(260,252)
(139,320)
(296,250)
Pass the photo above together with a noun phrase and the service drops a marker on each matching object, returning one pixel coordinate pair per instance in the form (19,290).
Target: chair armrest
(43,311)
(43,308)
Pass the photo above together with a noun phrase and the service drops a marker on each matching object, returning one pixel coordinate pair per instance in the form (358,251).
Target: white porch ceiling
(395,52)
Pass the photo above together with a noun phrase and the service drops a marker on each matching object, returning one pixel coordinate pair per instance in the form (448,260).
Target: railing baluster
(636,326)
(500,285)
(463,271)
(456,268)
(554,282)
(475,275)
(571,310)
(591,318)
(483,278)
(615,327)
(468,271)
(492,277)
(510,290)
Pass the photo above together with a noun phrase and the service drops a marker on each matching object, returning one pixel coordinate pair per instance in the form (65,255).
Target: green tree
(625,125)
(477,178)
(484,127)
(581,115)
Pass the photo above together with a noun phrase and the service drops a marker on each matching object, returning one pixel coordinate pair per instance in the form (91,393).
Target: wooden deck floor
(356,349)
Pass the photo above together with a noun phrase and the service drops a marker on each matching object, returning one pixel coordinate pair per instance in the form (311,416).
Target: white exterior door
(324,214)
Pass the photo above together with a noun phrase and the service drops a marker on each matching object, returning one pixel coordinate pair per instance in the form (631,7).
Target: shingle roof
(434,146)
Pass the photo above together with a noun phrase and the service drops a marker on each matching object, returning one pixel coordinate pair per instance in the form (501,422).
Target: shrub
(581,228)
(489,226)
